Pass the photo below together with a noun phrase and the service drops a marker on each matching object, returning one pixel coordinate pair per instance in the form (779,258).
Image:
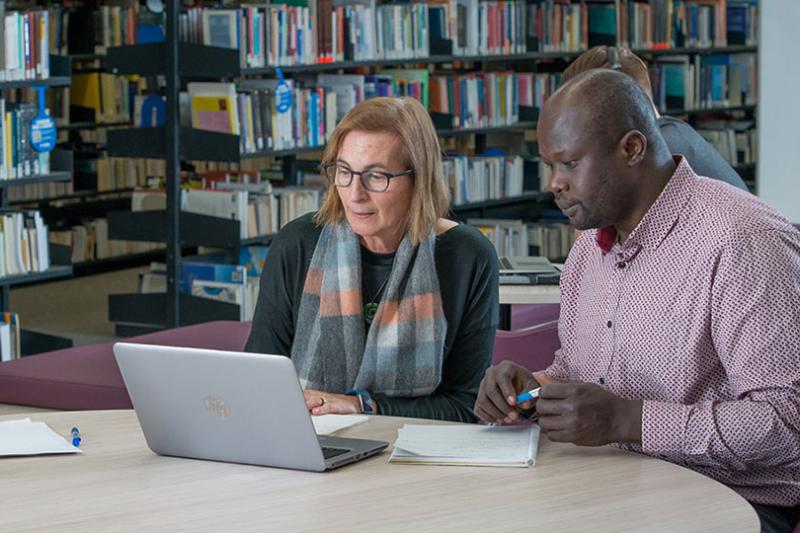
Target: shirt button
(602,381)
(621,264)
(608,323)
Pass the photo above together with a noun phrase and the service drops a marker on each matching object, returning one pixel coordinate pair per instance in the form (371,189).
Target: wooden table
(119,484)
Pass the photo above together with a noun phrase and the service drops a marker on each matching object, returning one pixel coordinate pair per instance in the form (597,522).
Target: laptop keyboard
(328,453)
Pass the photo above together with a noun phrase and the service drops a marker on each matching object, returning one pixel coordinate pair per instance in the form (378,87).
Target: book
(216,272)
(252,258)
(214,107)
(467,445)
(9,337)
(231,205)
(220,28)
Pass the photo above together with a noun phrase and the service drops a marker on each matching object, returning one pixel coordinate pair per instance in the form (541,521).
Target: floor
(76,308)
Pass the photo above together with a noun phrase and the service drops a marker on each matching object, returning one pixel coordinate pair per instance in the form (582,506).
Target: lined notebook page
(467,445)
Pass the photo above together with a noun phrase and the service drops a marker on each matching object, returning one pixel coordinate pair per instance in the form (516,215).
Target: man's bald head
(607,103)
(608,160)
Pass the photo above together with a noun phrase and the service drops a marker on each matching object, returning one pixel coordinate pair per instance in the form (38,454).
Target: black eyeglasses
(372,180)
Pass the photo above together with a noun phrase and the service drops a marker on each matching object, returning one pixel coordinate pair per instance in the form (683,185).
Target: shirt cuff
(664,426)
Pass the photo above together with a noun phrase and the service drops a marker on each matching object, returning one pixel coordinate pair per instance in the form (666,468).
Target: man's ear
(634,147)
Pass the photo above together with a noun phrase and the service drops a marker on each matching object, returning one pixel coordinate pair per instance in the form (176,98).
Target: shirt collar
(660,218)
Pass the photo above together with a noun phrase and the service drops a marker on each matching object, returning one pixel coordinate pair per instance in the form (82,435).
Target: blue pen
(528,395)
(76,437)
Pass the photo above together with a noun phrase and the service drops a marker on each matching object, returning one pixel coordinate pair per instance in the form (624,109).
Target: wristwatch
(364,399)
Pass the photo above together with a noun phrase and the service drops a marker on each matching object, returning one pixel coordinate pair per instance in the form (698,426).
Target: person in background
(680,307)
(681,138)
(384,306)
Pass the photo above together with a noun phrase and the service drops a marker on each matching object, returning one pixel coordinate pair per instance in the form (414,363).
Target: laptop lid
(227,406)
(526,265)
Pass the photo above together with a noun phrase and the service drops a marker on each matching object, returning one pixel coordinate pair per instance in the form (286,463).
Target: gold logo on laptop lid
(217,406)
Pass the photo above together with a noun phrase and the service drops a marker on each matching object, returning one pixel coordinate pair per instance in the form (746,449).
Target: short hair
(598,57)
(616,103)
(407,119)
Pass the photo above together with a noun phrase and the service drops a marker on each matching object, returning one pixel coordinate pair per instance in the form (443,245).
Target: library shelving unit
(176,60)
(60,170)
(135,313)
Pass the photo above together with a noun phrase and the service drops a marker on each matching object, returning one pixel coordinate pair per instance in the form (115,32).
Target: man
(680,136)
(680,307)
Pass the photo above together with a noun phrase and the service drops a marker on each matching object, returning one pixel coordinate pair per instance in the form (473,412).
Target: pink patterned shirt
(698,315)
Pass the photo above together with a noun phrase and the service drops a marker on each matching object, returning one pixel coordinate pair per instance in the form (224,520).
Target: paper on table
(328,424)
(467,445)
(24,437)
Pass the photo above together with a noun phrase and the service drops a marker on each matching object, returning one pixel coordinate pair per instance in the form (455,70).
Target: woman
(384,306)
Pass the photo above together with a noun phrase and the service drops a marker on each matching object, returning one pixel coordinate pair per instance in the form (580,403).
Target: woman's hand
(324,403)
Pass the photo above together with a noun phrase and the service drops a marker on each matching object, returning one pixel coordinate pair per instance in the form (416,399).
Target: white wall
(778,120)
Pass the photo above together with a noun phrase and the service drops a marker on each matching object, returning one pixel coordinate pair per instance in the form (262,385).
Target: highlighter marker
(528,395)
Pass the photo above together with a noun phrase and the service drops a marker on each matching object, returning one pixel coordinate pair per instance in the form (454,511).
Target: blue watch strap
(364,399)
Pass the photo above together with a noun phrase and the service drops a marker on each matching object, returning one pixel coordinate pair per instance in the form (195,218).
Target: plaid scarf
(403,350)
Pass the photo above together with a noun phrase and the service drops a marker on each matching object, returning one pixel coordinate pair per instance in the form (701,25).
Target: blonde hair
(597,57)
(410,122)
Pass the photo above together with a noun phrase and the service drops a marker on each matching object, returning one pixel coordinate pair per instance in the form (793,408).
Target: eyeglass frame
(388,175)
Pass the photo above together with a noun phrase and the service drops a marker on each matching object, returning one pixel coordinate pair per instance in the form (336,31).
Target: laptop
(229,406)
(533,270)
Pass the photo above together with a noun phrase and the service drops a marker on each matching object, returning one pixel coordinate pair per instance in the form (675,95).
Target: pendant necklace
(371,307)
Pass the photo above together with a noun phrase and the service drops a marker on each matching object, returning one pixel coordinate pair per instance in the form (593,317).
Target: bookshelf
(197,60)
(60,170)
(178,61)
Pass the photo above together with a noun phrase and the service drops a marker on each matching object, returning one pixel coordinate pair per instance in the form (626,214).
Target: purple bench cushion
(525,316)
(87,377)
(534,348)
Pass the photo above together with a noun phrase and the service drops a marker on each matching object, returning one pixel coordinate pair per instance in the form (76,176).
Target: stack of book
(102,98)
(18,159)
(31,192)
(24,45)
(23,243)
(9,337)
(509,237)
(534,89)
(476,99)
(702,82)
(115,173)
(210,276)
(477,179)
(561,26)
(89,242)
(551,239)
(84,30)
(254,114)
(329,31)
(259,209)
(735,140)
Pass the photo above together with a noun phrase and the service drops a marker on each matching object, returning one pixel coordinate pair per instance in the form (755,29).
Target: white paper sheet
(328,424)
(467,445)
(24,437)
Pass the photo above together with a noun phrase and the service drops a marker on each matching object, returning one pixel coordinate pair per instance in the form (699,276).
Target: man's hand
(588,415)
(498,391)
(323,403)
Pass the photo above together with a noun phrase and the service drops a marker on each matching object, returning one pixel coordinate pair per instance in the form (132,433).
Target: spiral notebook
(467,445)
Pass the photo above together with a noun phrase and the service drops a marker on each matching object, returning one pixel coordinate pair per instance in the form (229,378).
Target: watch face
(366,403)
